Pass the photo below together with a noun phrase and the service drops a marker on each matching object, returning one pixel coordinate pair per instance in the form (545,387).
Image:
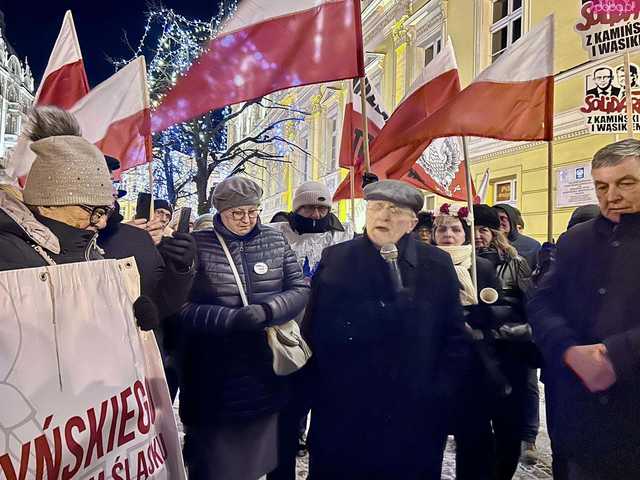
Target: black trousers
(290,423)
(508,418)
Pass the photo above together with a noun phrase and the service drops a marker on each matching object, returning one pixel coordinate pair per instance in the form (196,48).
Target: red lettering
(7,464)
(117,468)
(595,16)
(95,432)
(142,466)
(124,438)
(44,458)
(74,447)
(114,421)
(143,408)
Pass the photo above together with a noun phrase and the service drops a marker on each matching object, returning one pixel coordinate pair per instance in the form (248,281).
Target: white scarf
(461,257)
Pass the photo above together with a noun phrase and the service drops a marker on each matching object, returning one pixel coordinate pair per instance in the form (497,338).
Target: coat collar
(629,225)
(407,248)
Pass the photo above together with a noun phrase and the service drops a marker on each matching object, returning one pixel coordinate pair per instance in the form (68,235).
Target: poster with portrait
(605,97)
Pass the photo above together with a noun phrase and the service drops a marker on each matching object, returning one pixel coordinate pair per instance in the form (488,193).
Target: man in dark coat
(386,360)
(585,321)
(527,247)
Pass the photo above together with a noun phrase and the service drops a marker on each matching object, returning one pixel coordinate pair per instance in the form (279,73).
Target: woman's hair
(439,219)
(500,243)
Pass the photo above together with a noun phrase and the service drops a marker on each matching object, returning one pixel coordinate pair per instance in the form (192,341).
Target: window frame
(507,21)
(513,199)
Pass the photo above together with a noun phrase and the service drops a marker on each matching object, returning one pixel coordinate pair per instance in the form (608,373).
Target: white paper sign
(82,390)
(575,186)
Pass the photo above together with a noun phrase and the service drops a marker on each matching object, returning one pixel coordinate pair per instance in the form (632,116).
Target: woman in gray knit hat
(230,396)
(67,198)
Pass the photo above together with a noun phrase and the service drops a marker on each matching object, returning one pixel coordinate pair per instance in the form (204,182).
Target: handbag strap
(232,264)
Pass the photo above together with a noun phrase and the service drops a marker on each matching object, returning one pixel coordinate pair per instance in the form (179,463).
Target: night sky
(33,25)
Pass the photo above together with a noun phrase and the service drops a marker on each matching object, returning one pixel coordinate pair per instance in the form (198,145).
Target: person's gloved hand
(369,177)
(250,318)
(180,250)
(146,313)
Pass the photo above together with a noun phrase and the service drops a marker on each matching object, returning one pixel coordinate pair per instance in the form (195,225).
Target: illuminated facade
(401,37)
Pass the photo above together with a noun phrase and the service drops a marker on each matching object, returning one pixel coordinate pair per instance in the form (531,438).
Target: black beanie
(161,203)
(485,216)
(425,220)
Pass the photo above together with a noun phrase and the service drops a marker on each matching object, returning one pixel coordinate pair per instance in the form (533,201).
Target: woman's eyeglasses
(97,213)
(240,214)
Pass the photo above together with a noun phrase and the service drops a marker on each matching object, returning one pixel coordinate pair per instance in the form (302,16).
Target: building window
(333,145)
(431,50)
(430,203)
(507,25)
(12,125)
(505,191)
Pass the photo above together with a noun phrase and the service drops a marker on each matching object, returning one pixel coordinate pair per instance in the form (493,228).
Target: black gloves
(180,250)
(369,177)
(251,318)
(146,313)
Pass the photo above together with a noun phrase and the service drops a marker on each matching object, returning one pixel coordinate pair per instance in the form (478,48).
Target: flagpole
(148,141)
(474,275)
(352,174)
(363,102)
(550,191)
(628,95)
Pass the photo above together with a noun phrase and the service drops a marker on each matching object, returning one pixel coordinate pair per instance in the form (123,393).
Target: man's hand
(154,227)
(180,250)
(592,365)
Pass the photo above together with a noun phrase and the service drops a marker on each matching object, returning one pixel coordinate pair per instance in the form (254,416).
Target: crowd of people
(380,344)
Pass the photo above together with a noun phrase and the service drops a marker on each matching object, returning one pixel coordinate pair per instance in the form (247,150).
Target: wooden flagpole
(474,274)
(550,191)
(628,95)
(148,143)
(352,174)
(365,125)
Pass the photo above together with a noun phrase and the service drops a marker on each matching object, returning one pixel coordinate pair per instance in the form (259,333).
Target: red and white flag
(115,116)
(439,169)
(64,83)
(352,142)
(510,100)
(268,45)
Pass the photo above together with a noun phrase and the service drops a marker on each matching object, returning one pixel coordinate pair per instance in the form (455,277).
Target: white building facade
(16,97)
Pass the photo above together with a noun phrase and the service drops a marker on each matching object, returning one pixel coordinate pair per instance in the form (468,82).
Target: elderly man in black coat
(585,320)
(386,359)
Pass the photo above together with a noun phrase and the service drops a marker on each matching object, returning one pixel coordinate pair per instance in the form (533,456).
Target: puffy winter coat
(227,374)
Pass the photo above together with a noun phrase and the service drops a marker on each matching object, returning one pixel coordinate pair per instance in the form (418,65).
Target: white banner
(82,389)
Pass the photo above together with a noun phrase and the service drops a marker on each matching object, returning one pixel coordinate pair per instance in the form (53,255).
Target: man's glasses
(240,214)
(97,213)
(310,209)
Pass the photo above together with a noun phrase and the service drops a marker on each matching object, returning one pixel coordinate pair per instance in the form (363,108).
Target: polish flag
(64,83)
(268,45)
(510,100)
(115,116)
(352,142)
(436,85)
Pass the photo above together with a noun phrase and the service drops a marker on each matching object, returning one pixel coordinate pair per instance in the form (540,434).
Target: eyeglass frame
(94,213)
(321,209)
(251,215)
(393,209)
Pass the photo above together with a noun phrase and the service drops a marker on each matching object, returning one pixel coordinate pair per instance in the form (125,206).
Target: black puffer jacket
(227,374)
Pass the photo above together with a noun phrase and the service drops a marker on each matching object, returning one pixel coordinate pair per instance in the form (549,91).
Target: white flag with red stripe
(510,100)
(115,116)
(64,83)
(434,87)
(268,45)
(352,142)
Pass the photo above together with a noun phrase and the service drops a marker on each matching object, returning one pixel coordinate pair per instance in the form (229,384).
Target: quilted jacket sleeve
(292,300)
(215,319)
